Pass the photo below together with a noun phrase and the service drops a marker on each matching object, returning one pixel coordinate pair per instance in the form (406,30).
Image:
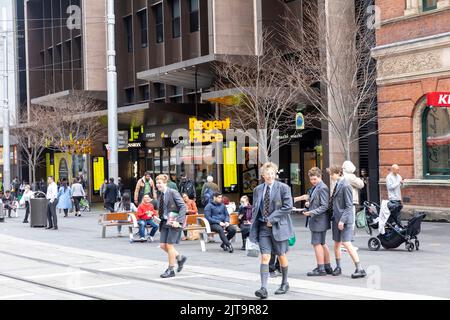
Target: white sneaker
(150,239)
(142,238)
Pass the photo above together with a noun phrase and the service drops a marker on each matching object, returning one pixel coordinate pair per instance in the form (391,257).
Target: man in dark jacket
(111,195)
(187,186)
(219,219)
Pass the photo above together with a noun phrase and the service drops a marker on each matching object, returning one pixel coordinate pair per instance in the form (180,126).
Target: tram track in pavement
(53,287)
(171,284)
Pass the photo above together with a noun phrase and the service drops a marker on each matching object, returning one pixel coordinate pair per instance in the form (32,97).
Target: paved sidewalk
(391,271)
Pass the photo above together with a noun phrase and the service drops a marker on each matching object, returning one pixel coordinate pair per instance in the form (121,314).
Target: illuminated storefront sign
(207,131)
(230,165)
(98,171)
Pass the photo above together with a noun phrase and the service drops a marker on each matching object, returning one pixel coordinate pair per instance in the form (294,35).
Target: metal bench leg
(130,234)
(103,232)
(203,237)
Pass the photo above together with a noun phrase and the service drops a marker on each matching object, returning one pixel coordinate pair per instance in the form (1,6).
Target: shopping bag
(251,248)
(292,240)
(361,221)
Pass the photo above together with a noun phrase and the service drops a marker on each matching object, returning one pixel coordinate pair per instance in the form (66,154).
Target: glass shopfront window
(436,142)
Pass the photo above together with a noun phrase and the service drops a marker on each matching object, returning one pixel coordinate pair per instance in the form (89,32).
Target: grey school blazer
(343,203)
(279,212)
(174,203)
(318,205)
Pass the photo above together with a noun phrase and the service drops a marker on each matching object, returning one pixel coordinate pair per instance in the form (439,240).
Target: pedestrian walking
(187,186)
(64,198)
(77,194)
(245,215)
(52,202)
(144,186)
(394,184)
(348,170)
(272,226)
(319,222)
(219,219)
(341,206)
(111,195)
(120,187)
(209,187)
(103,188)
(25,201)
(9,201)
(172,211)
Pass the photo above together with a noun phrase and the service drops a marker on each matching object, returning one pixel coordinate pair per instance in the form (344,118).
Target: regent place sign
(207,131)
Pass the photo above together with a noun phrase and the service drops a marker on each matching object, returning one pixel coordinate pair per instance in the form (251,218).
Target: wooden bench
(115,219)
(234,221)
(194,222)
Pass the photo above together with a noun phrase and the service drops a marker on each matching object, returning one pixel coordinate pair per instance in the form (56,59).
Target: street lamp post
(113,163)
(6,149)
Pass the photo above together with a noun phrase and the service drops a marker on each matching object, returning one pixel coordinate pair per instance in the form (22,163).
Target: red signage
(438,99)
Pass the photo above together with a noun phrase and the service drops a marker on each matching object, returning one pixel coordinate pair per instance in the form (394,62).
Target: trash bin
(38,210)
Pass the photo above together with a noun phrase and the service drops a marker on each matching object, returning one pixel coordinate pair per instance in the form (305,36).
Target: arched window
(436,143)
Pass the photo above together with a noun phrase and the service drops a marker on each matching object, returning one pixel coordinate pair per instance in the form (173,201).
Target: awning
(49,99)
(183,73)
(228,97)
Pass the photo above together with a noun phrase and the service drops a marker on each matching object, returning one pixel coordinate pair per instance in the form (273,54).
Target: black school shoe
(359,274)
(168,274)
(283,289)
(224,247)
(181,263)
(261,293)
(316,273)
(337,271)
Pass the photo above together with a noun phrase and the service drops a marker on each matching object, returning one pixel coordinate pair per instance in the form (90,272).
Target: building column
(413,7)
(443,4)
(338,16)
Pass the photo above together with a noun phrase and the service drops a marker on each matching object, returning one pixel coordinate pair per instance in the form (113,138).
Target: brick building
(413,56)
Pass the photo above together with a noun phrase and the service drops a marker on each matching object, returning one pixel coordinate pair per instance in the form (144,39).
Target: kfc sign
(438,99)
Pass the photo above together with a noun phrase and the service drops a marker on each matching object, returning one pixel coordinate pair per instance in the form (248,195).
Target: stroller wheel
(409,246)
(417,243)
(374,244)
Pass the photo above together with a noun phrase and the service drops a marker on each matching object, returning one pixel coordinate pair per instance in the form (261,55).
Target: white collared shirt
(52,192)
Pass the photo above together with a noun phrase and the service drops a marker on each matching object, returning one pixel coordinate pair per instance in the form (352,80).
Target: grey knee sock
(264,271)
(327,265)
(338,263)
(284,272)
(321,267)
(358,266)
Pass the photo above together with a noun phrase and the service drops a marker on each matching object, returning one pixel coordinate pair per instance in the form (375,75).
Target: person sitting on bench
(219,219)
(145,214)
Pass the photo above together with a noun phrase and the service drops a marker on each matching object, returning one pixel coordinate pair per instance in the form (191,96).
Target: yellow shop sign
(207,131)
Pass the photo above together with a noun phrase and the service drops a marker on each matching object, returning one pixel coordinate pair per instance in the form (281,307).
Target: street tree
(333,70)
(264,107)
(31,138)
(73,124)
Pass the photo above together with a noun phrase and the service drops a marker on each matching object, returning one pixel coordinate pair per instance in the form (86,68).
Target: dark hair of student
(64,184)
(126,201)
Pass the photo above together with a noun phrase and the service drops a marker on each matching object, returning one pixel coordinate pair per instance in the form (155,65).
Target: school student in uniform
(341,204)
(172,212)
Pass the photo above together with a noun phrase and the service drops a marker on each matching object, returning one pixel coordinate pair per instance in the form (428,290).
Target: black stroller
(394,235)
